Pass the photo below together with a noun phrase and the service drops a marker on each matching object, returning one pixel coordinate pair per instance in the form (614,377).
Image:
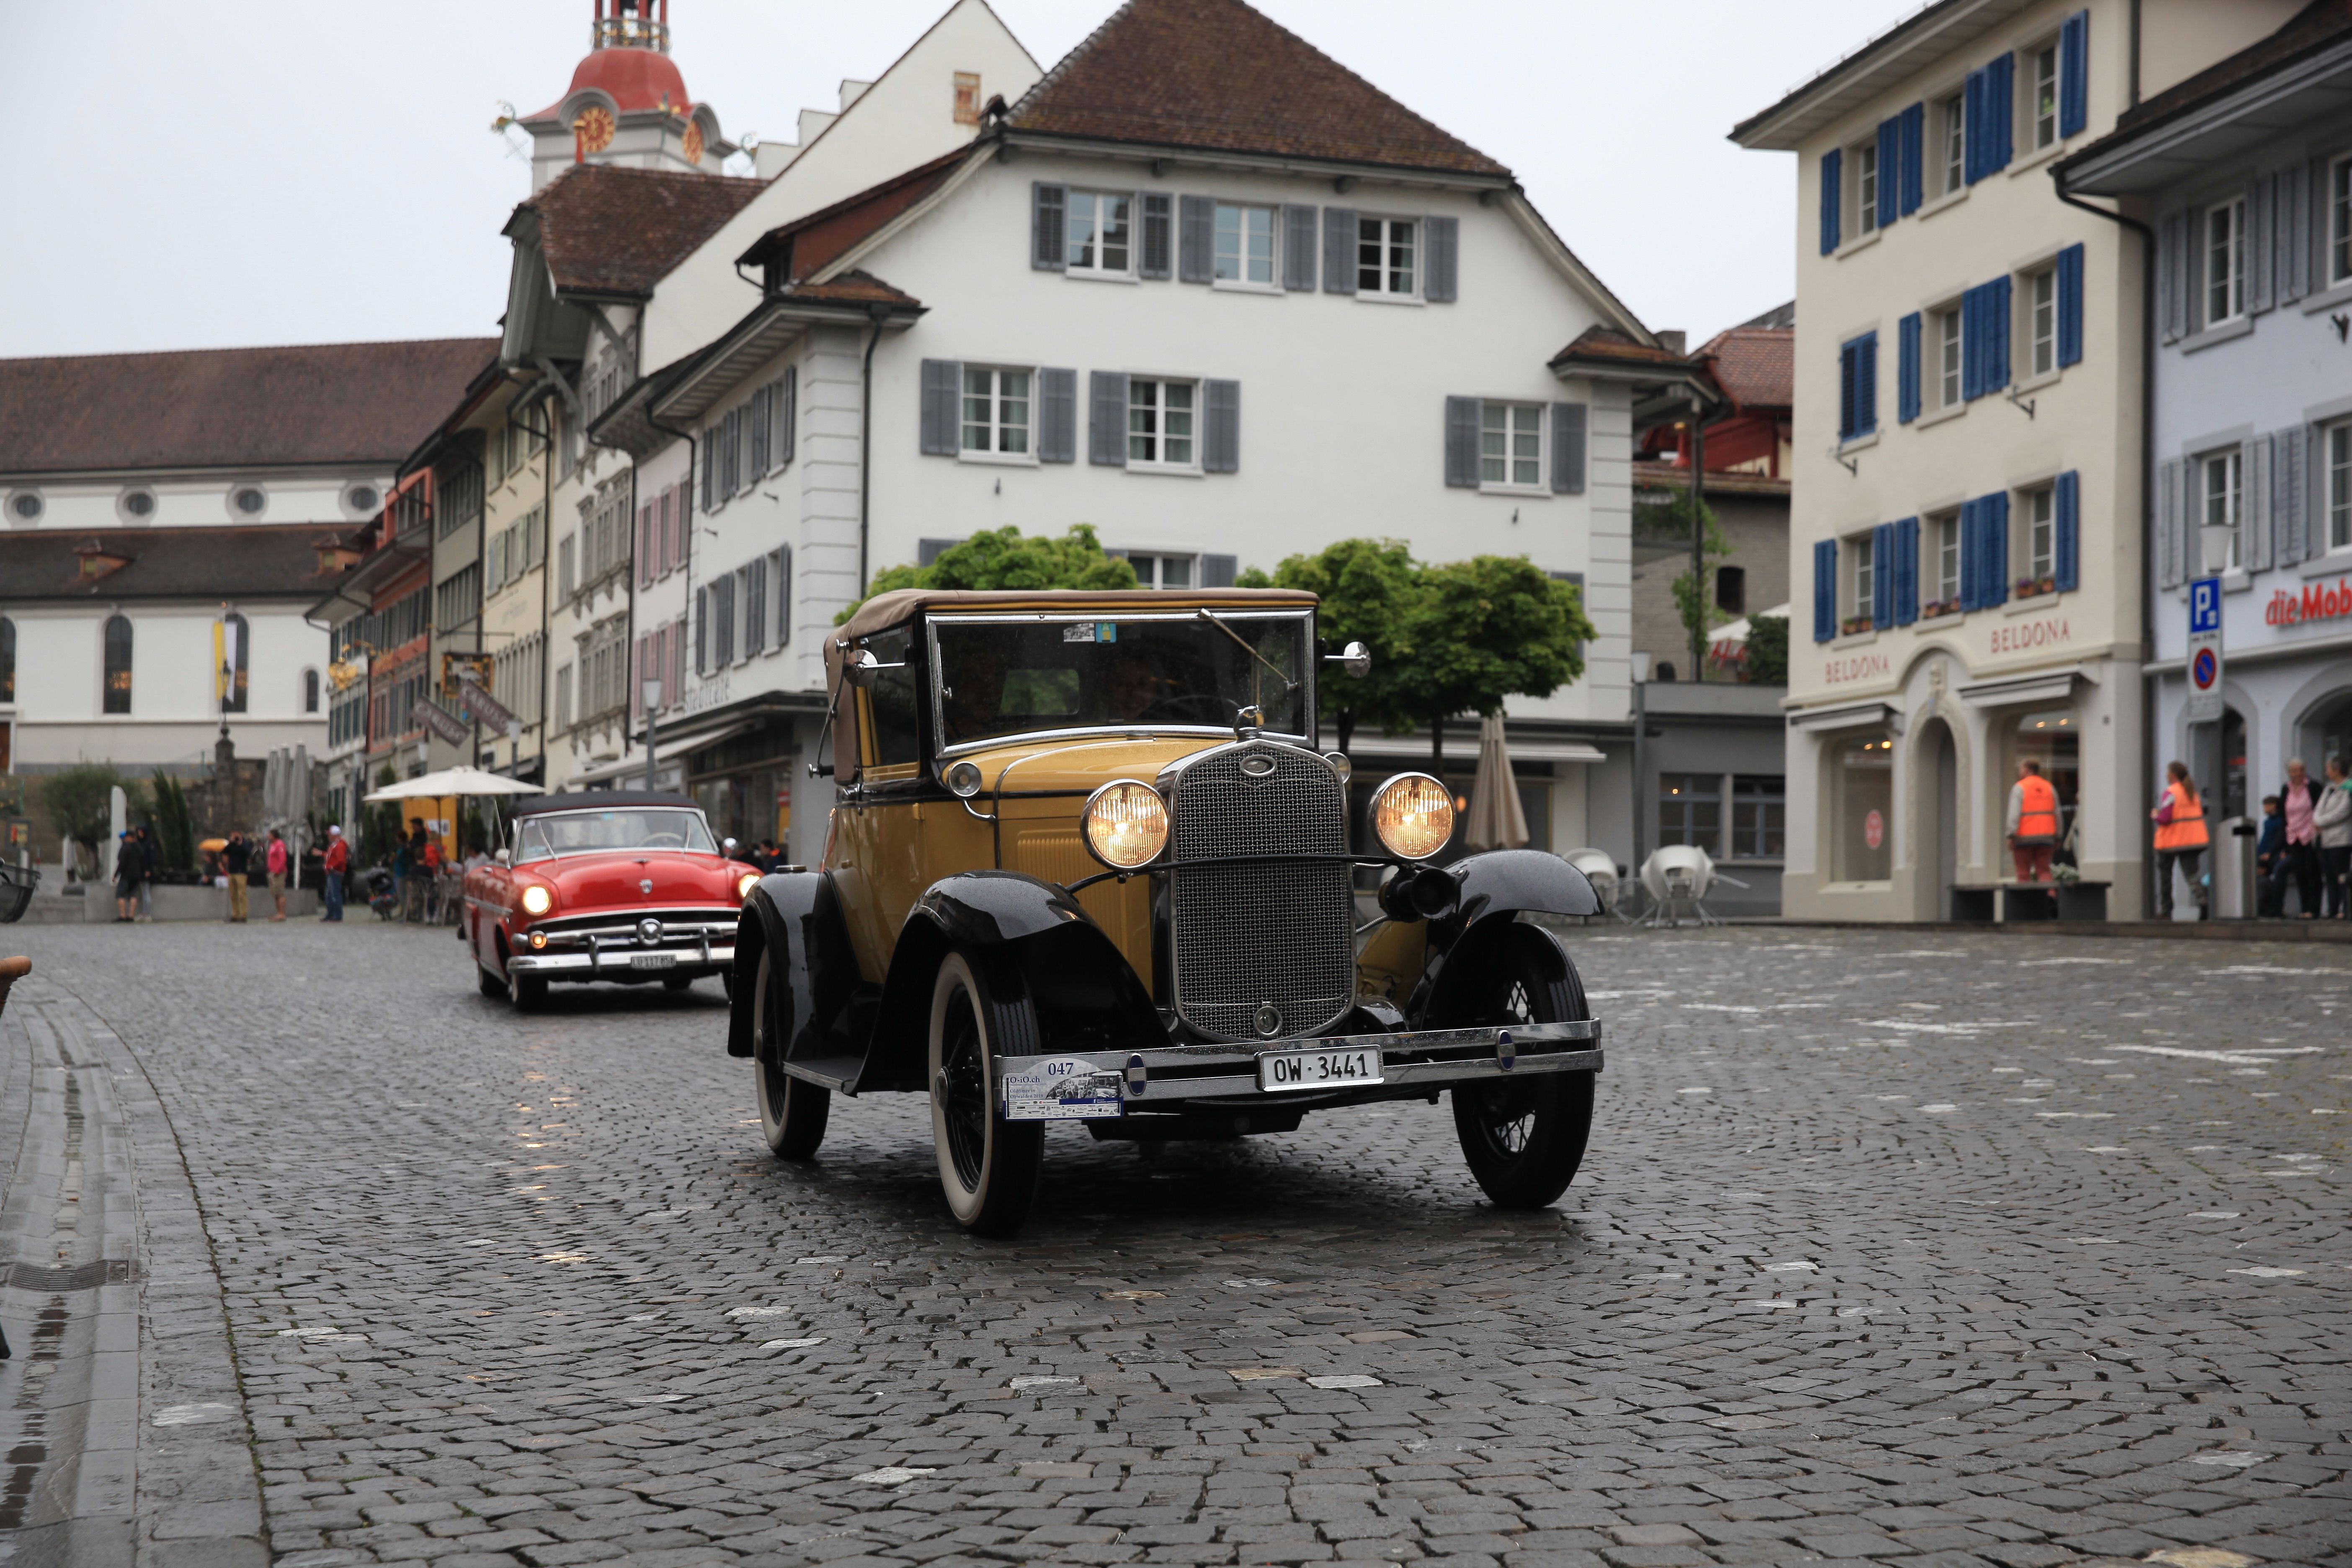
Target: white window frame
(2040,127)
(2336,475)
(1951,356)
(1159,436)
(1509,484)
(1385,270)
(1946,533)
(1864,160)
(1071,219)
(2339,220)
(2037,541)
(1151,568)
(1242,211)
(1953,113)
(1861,550)
(998,428)
(2040,298)
(2233,288)
(2225,506)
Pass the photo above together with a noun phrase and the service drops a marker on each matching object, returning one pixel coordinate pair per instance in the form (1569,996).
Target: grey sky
(290,171)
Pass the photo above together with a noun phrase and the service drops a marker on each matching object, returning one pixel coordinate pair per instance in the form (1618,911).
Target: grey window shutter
(2290,492)
(1299,225)
(1443,237)
(1221,444)
(2170,524)
(1107,418)
(1339,251)
(2171,281)
(2291,231)
(941,380)
(2254,519)
(1218,570)
(784,406)
(1461,443)
(1196,240)
(1049,235)
(1568,431)
(1157,218)
(930,550)
(1057,416)
(2260,294)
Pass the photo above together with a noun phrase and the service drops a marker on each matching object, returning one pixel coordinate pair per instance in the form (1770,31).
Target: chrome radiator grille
(1246,936)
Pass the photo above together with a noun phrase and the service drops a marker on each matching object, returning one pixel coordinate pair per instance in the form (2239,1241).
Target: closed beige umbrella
(1496,820)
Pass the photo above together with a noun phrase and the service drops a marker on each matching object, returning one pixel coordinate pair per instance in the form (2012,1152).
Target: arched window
(235,654)
(309,691)
(118,665)
(7,659)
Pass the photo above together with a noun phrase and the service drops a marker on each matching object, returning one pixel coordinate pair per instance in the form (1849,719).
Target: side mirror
(861,669)
(1355,659)
(505,857)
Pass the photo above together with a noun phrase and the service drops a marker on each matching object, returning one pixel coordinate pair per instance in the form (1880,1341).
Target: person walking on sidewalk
(237,859)
(2332,817)
(2300,795)
(126,877)
(2269,862)
(2179,839)
(339,857)
(2032,822)
(277,863)
(151,857)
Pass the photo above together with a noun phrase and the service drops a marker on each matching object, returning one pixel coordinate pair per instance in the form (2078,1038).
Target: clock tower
(627,103)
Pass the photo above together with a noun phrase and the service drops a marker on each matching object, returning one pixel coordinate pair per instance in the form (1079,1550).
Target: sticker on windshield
(1060,1088)
(1085,632)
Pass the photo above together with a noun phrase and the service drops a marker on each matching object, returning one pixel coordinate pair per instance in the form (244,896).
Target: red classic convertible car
(625,887)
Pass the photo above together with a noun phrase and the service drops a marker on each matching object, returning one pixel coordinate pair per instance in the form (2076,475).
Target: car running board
(836,1073)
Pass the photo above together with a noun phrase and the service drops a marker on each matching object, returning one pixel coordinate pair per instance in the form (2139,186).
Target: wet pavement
(1944,1249)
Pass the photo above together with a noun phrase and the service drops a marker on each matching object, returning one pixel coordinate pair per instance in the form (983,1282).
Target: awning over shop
(1845,716)
(667,748)
(2042,686)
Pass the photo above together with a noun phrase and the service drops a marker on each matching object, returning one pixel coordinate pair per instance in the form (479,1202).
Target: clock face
(693,144)
(594,127)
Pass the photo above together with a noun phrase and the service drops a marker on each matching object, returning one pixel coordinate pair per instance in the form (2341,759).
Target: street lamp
(2214,540)
(651,690)
(1641,737)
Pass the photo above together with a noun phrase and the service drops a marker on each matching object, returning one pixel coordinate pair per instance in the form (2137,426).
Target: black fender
(1497,888)
(794,915)
(1087,996)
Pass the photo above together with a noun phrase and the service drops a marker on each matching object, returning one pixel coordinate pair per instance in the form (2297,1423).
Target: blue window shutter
(1968,555)
(1298,254)
(1825,590)
(1993,511)
(1107,418)
(1996,320)
(2074,74)
(1914,177)
(1442,276)
(1159,221)
(1846,389)
(1221,435)
(1339,251)
(1832,181)
(1568,430)
(1907,368)
(1461,443)
(1906,571)
(1058,416)
(1882,576)
(1049,239)
(943,383)
(2000,72)
(1976,131)
(2070,305)
(1890,165)
(1866,384)
(2068,505)
(1196,240)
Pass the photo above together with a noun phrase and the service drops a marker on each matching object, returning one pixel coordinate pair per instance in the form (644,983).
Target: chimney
(1673,342)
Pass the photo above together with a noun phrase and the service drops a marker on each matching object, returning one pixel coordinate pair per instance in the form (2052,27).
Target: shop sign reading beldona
(2318,601)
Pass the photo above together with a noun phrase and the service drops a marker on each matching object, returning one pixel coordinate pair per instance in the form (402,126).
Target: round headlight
(1127,825)
(537,900)
(744,884)
(963,780)
(1413,814)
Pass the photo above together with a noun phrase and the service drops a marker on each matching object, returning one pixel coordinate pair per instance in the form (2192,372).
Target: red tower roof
(637,79)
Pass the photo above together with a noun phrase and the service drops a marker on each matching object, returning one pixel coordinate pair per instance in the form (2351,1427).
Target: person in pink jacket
(276,860)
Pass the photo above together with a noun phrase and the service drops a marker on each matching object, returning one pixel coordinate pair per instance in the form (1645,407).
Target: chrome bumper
(1415,1060)
(615,963)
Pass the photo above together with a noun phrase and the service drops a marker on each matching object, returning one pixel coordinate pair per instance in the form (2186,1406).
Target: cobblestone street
(1891,1246)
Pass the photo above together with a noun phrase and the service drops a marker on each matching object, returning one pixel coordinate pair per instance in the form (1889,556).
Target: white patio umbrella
(1726,644)
(1496,820)
(449,782)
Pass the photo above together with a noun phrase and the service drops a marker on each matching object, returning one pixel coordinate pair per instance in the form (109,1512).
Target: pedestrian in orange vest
(2180,839)
(2032,822)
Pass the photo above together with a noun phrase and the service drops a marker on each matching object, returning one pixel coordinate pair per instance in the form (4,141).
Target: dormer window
(97,561)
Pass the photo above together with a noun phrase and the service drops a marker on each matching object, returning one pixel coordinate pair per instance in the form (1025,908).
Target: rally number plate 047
(1278,1071)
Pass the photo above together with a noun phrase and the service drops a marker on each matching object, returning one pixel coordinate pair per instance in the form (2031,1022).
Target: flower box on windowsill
(1852,625)
(1935,609)
(2034,587)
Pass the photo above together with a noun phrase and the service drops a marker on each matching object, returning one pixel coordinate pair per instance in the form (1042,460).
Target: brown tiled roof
(852,289)
(2316,25)
(605,230)
(813,241)
(312,403)
(1755,366)
(1217,76)
(207,563)
(1608,343)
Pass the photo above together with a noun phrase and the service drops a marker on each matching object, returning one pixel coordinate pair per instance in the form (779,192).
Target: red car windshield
(604,832)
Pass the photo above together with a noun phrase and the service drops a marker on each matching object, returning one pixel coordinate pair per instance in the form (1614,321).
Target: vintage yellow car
(1085,863)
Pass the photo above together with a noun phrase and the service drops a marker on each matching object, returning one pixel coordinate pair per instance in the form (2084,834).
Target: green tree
(80,802)
(1007,558)
(1486,628)
(176,825)
(1766,663)
(1666,518)
(1369,590)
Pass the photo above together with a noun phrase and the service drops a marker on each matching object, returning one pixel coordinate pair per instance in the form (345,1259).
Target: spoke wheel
(1523,1137)
(792,1112)
(988,1166)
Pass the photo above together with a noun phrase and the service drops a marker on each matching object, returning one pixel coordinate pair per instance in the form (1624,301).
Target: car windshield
(599,832)
(1181,671)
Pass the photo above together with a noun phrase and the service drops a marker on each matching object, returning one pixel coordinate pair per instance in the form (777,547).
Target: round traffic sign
(1874,830)
(2204,670)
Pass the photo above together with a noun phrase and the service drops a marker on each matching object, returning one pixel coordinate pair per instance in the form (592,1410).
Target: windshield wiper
(1250,648)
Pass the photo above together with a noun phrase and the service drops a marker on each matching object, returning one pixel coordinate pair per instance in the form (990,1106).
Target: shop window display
(1863,841)
(2052,739)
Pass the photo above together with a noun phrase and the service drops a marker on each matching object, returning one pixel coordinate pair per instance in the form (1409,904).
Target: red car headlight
(744,884)
(537,900)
